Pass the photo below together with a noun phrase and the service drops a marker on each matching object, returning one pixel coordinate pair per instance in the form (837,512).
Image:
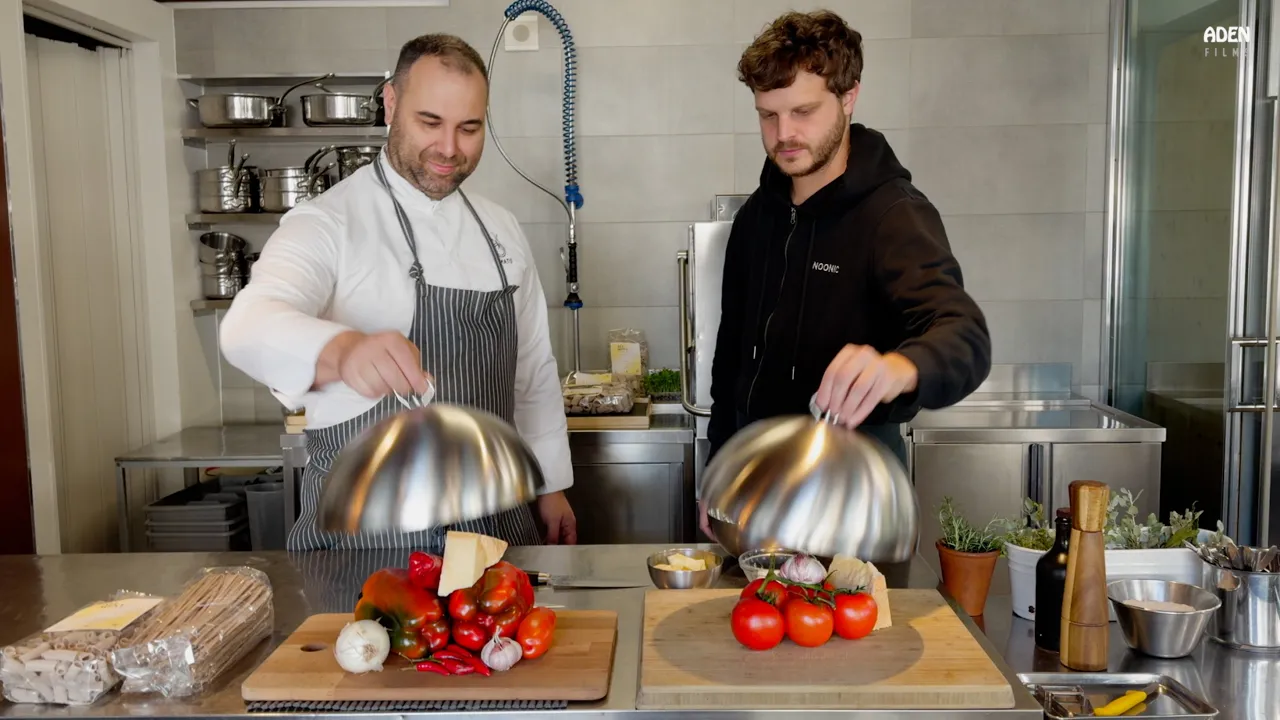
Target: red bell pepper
(496,603)
(408,611)
(424,569)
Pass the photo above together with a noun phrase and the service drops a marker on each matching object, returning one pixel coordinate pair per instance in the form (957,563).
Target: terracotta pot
(967,576)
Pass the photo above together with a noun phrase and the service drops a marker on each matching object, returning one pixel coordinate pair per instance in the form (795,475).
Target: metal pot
(231,188)
(220,248)
(221,287)
(350,157)
(1249,617)
(806,484)
(282,189)
(232,110)
(329,109)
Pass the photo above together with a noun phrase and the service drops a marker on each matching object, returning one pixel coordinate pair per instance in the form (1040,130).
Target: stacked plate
(222,265)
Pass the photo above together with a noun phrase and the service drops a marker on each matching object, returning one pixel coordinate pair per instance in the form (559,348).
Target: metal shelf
(199,137)
(204,307)
(282,79)
(196,220)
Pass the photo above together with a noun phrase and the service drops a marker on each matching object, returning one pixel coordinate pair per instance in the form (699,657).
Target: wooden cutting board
(638,419)
(926,660)
(577,667)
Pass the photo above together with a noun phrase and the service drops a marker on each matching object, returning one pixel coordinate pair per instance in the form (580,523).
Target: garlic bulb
(362,646)
(500,653)
(803,569)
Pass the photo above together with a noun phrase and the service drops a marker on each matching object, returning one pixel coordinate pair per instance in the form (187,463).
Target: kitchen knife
(541,579)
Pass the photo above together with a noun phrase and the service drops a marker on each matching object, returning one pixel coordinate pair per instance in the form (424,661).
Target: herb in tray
(662,382)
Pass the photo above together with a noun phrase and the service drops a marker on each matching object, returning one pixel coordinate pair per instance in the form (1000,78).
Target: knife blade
(541,579)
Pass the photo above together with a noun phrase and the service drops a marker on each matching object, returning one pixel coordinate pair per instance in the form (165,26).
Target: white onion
(362,646)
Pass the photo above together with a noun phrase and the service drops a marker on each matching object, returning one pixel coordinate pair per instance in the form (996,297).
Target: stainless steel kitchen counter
(37,591)
(664,428)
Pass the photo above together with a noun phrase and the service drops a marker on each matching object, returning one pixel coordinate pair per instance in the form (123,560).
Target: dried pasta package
(629,359)
(191,639)
(69,663)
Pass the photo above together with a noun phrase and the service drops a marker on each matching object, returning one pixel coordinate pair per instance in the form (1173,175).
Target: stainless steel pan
(328,109)
(232,110)
(284,188)
(350,157)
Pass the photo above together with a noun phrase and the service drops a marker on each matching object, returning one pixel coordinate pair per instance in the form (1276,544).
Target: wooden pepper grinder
(1085,614)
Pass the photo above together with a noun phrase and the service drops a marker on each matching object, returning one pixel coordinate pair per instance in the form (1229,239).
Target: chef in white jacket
(395,277)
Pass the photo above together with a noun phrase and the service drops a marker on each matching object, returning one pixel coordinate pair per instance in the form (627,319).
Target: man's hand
(704,524)
(562,526)
(373,365)
(859,379)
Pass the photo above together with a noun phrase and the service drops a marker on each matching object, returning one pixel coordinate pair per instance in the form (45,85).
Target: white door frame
(157,109)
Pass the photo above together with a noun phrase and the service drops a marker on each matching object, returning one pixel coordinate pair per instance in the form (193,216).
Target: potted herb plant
(1026,539)
(967,555)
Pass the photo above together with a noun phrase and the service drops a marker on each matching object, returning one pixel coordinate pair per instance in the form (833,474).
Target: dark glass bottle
(1051,583)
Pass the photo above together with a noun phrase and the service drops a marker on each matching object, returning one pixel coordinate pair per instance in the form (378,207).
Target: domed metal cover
(801,483)
(428,467)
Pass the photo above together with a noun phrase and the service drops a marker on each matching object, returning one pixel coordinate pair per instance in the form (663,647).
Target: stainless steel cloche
(426,467)
(806,484)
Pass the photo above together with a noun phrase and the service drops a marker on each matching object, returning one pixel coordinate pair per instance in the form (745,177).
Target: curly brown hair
(820,42)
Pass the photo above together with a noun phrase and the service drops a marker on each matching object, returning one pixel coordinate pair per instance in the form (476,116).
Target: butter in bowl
(684,568)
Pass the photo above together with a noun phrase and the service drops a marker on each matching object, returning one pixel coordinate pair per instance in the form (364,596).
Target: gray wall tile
(874,19)
(1019,257)
(1094,254)
(955,18)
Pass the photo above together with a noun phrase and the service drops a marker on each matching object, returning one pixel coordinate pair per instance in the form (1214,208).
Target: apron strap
(493,248)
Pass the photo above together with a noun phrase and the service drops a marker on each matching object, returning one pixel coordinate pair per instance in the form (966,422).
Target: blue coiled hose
(572,194)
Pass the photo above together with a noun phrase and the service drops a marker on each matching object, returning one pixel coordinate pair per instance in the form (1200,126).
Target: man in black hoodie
(838,276)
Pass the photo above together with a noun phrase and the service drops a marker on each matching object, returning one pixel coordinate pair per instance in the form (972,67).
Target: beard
(412,166)
(822,153)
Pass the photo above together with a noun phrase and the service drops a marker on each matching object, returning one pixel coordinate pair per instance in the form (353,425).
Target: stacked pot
(223,265)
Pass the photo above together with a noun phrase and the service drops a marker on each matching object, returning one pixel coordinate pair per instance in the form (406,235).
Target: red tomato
(808,624)
(775,593)
(536,631)
(757,624)
(855,615)
(469,635)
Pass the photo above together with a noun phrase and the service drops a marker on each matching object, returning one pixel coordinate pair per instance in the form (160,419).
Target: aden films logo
(1235,37)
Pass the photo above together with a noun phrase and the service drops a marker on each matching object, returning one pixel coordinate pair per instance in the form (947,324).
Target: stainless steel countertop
(1031,419)
(37,591)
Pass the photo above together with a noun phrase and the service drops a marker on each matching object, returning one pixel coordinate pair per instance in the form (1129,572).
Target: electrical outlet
(522,33)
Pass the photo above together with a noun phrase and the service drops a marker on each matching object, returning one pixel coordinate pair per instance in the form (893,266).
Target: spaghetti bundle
(191,639)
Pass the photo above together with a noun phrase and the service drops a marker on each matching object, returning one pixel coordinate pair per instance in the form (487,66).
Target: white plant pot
(1175,564)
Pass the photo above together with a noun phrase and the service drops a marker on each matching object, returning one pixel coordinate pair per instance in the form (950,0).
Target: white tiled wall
(997,107)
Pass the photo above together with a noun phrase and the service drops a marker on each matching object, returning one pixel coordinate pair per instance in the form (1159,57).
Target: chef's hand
(860,378)
(562,526)
(373,365)
(704,524)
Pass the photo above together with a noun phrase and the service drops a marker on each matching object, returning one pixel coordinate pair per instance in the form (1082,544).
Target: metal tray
(1073,695)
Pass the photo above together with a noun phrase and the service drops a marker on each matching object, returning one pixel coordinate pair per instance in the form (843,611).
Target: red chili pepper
(447,653)
(457,667)
(478,665)
(460,650)
(432,666)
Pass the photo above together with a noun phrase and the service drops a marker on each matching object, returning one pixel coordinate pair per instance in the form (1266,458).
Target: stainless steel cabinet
(631,492)
(984,480)
(1134,466)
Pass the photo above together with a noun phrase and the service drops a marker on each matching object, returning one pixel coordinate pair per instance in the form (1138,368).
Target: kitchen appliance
(806,484)
(350,157)
(427,467)
(331,109)
(572,196)
(240,110)
(283,188)
(1086,617)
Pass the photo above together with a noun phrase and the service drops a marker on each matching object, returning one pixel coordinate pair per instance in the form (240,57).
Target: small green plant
(662,382)
(1124,532)
(1030,530)
(962,536)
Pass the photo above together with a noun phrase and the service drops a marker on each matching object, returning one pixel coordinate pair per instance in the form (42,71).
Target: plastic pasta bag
(191,639)
(69,663)
(629,358)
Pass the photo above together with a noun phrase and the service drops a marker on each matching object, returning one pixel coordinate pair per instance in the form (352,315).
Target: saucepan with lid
(350,157)
(426,467)
(330,109)
(806,484)
(233,110)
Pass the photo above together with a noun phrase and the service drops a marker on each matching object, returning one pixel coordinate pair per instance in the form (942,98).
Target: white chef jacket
(340,262)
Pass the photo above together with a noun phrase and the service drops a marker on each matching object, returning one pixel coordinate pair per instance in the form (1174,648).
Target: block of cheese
(466,555)
(854,574)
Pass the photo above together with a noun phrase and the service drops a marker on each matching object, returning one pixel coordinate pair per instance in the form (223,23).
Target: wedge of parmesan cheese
(466,556)
(853,574)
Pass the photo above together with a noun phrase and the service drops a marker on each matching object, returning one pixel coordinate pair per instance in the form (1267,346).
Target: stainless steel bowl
(804,484)
(685,579)
(428,467)
(1161,633)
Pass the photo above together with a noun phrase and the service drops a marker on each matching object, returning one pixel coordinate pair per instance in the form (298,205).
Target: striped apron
(468,341)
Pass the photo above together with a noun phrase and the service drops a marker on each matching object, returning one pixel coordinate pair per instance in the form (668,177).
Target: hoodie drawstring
(804,291)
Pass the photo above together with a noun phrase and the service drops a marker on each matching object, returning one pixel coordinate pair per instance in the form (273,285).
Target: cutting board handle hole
(314,647)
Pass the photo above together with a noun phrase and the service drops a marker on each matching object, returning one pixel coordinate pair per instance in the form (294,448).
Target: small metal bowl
(755,564)
(685,579)
(1161,633)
